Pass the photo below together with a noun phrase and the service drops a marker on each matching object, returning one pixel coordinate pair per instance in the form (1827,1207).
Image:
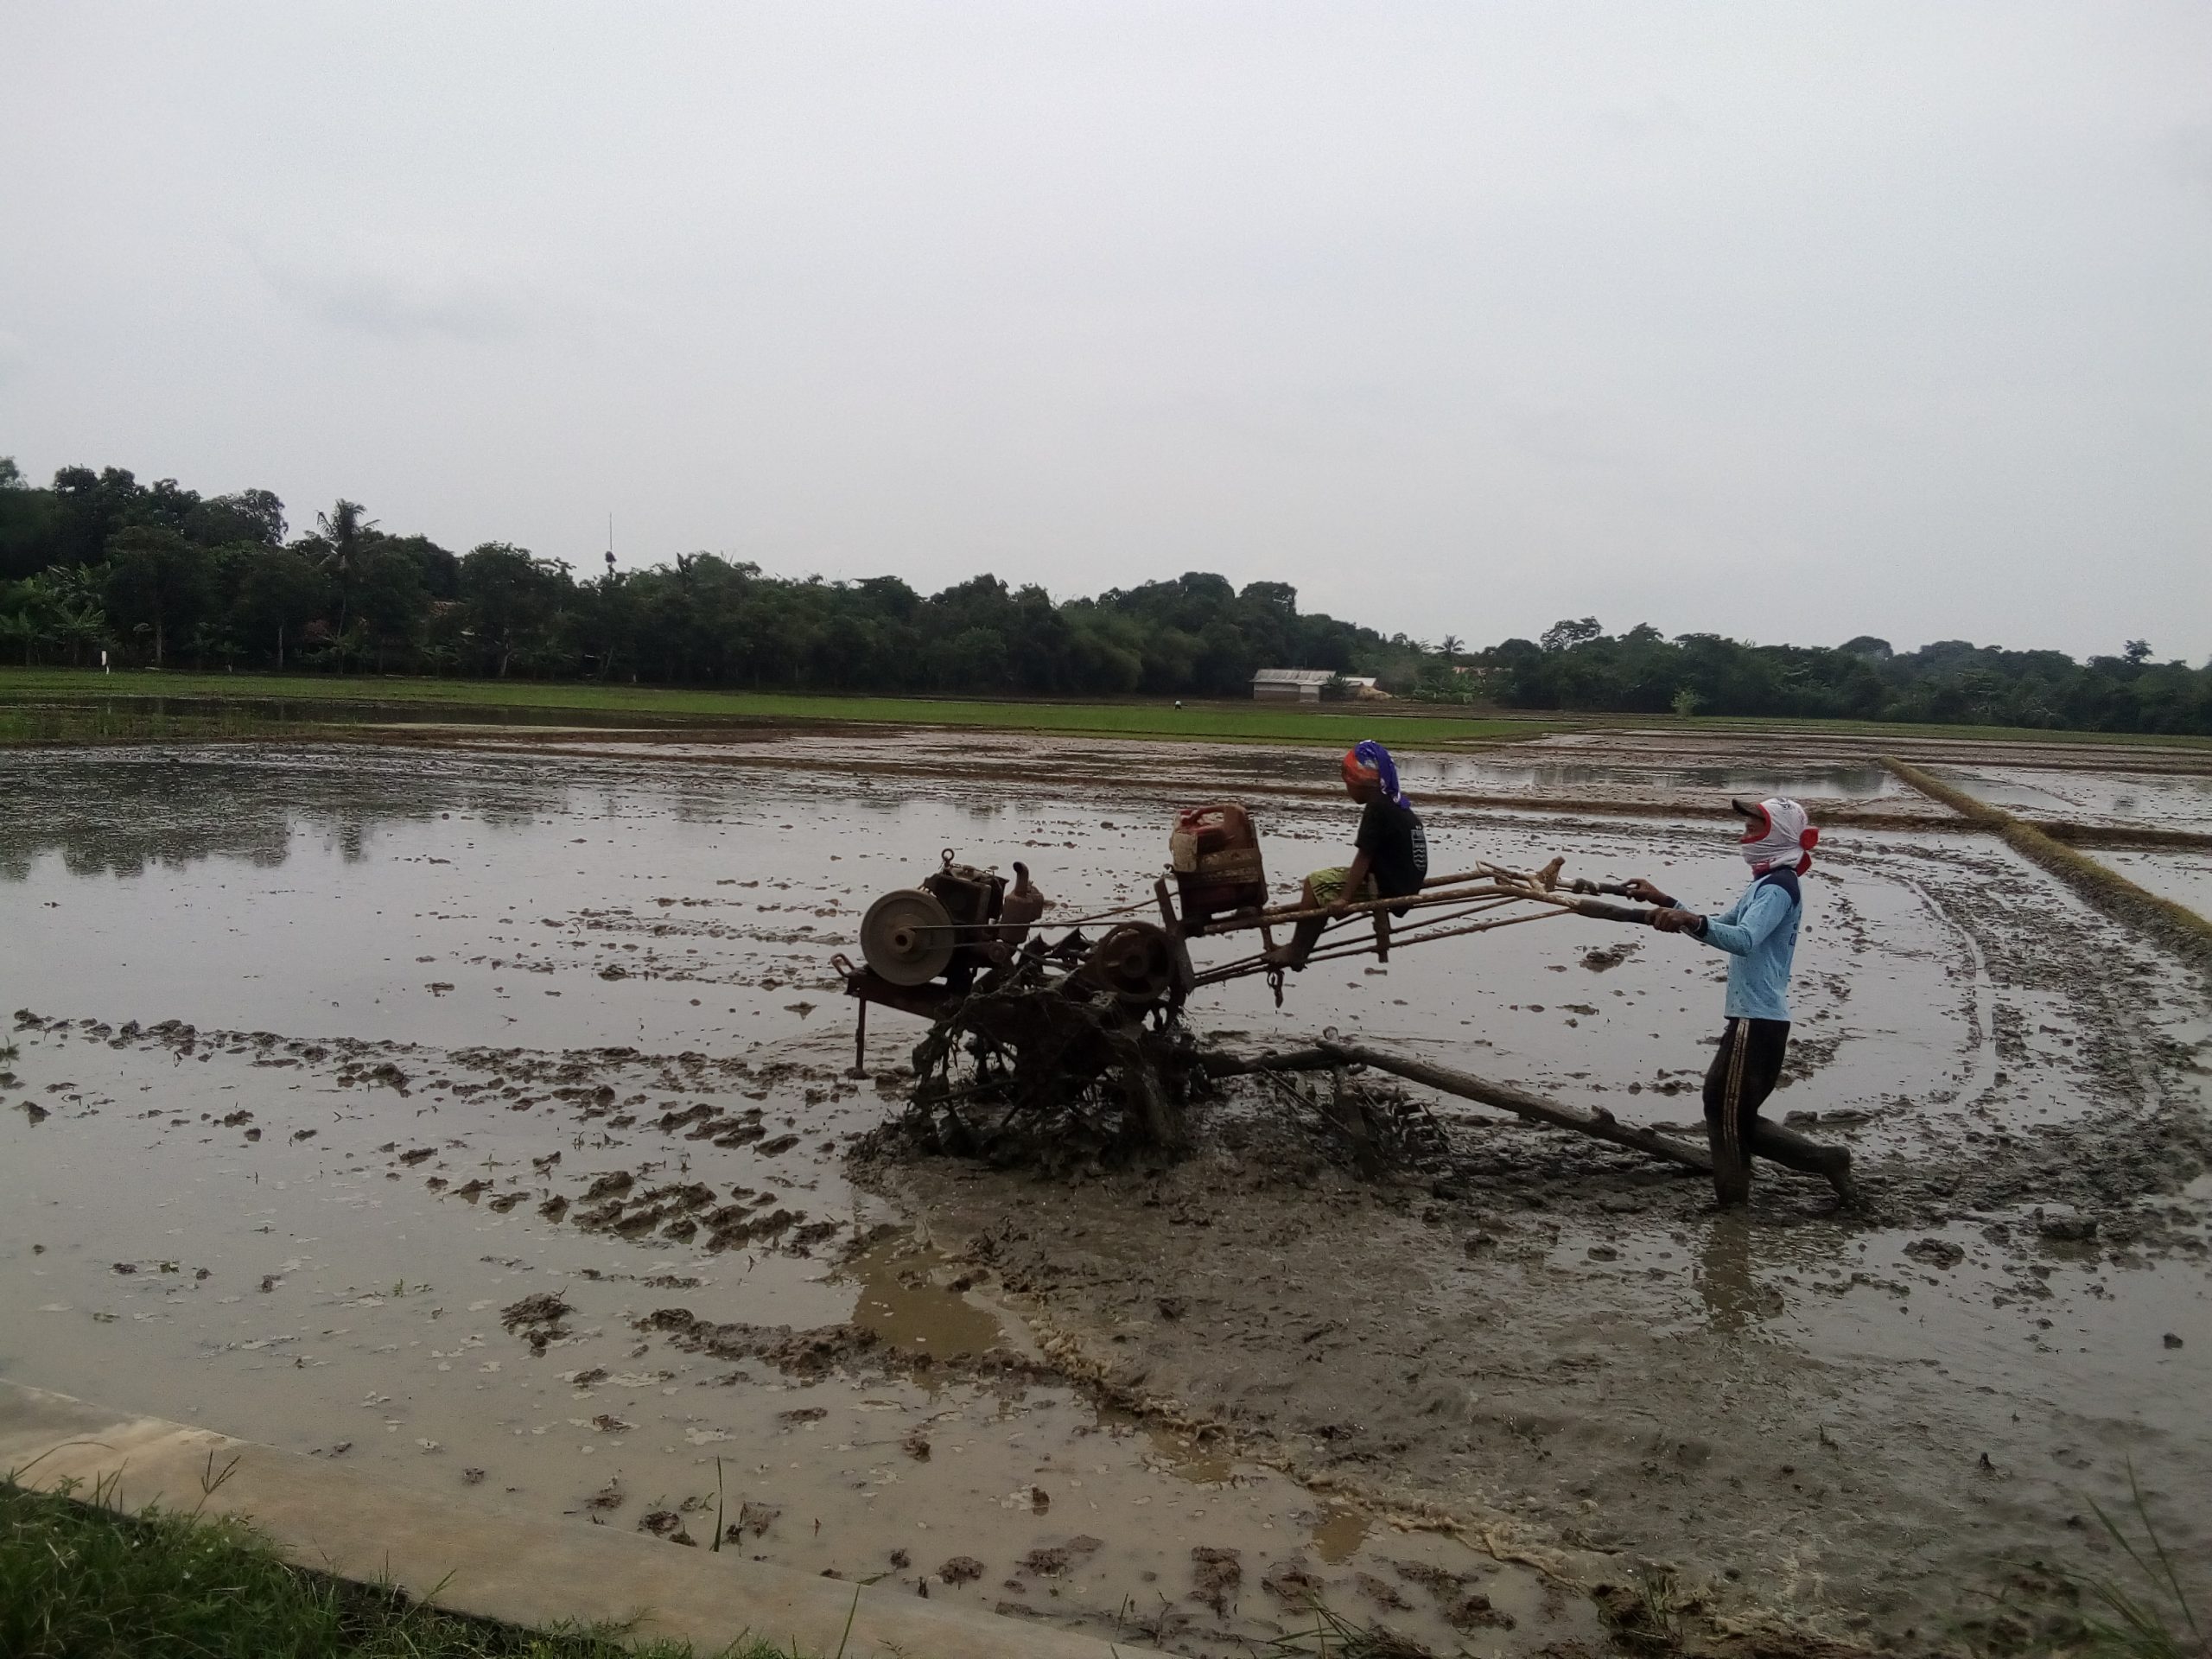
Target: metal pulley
(907,937)
(1135,961)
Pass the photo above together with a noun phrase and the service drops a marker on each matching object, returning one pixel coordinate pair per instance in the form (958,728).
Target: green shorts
(1329,885)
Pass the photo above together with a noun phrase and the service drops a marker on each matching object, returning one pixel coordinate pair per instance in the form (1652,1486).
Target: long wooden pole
(1770,1141)
(1601,1124)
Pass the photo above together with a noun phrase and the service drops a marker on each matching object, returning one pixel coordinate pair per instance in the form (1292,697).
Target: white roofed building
(1290,684)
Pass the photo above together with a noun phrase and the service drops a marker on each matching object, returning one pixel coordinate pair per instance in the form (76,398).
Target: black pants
(1746,1065)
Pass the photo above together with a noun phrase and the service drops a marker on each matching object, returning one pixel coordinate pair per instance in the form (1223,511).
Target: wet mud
(2183,877)
(486,1117)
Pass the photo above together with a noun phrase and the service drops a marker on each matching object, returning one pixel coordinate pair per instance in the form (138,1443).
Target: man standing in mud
(1759,933)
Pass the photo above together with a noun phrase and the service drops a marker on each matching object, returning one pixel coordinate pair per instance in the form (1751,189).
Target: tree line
(159,576)
(1576,664)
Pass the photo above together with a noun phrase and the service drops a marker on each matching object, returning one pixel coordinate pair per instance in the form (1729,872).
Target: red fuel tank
(1215,852)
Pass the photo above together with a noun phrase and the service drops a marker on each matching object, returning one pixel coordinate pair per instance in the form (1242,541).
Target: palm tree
(82,627)
(65,608)
(72,584)
(345,535)
(1450,645)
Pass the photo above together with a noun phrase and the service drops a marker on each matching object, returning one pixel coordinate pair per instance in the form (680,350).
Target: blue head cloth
(1371,757)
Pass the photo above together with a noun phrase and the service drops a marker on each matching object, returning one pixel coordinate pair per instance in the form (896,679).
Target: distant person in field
(1759,933)
(1389,853)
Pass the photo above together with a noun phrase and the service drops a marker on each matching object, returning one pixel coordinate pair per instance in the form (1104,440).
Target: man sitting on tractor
(1389,853)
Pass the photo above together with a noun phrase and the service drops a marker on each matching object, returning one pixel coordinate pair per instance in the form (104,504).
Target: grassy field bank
(1337,723)
(85,1581)
(48,705)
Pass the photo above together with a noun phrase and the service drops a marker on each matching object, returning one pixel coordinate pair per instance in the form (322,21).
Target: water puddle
(1340,1532)
(899,1296)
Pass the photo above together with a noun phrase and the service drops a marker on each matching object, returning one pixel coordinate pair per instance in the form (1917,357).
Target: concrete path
(524,1569)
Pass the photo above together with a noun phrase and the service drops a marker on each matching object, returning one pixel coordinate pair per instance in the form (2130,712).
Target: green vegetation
(84,1580)
(2145,1612)
(81,706)
(104,721)
(56,705)
(1578,665)
(160,576)
(2153,1616)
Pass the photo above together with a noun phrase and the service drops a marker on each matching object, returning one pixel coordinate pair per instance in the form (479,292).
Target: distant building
(1304,684)
(1290,684)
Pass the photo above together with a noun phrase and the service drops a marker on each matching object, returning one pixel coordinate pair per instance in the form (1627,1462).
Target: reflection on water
(1734,1297)
(1846,783)
(125,811)
(118,814)
(557,901)
(2185,878)
(906,1307)
(2176,800)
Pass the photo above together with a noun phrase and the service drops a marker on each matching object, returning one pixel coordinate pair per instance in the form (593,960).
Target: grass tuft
(2155,1621)
(1332,1636)
(81,1579)
(2047,1611)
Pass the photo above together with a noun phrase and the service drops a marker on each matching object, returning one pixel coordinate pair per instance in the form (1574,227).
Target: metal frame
(1473,893)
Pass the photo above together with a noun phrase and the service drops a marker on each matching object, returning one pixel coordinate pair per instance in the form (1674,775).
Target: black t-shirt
(1396,849)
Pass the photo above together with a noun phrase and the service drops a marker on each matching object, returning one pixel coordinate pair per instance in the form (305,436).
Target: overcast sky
(1788,322)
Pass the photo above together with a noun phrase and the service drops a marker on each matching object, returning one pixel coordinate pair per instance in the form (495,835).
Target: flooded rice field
(484,1114)
(1559,770)
(2114,787)
(2183,877)
(2168,801)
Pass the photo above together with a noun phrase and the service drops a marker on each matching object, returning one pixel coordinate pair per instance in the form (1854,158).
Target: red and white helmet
(1777,835)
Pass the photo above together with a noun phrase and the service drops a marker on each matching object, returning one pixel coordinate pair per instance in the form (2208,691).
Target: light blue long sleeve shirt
(1759,933)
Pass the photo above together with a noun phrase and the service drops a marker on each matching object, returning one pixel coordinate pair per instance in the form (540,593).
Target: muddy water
(2185,878)
(2164,802)
(979,763)
(315,1041)
(549,906)
(458,995)
(1852,1418)
(1840,783)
